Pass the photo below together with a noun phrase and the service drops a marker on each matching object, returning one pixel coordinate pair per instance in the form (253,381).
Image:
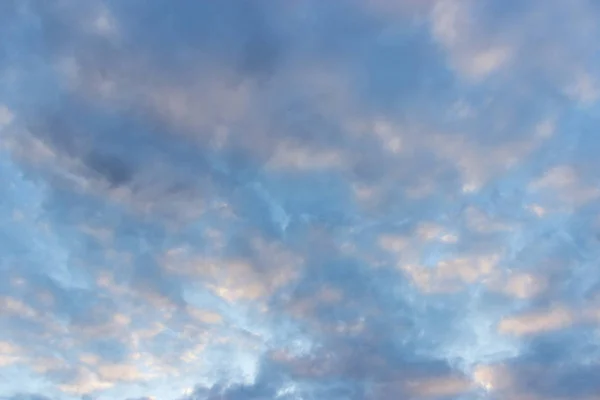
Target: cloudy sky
(299,199)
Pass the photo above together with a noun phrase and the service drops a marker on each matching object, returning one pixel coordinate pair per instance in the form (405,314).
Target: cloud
(523,285)
(9,353)
(563,180)
(474,55)
(528,324)
(295,200)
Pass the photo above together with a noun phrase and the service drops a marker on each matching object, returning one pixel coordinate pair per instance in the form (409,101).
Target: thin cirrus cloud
(298,200)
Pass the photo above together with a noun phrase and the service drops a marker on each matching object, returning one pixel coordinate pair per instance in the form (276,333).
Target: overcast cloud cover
(300,199)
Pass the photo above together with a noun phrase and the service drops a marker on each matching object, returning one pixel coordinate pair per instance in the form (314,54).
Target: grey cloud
(115,170)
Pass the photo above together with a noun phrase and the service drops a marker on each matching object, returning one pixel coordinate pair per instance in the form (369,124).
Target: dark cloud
(113,169)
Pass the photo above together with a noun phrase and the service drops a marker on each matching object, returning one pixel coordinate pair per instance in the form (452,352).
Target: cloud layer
(299,200)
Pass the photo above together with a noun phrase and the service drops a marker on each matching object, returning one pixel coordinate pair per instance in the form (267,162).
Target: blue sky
(297,200)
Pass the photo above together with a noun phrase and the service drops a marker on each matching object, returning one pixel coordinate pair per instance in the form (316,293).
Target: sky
(299,200)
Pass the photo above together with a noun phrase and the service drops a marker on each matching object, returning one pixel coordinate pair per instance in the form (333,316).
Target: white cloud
(119,372)
(439,387)
(15,307)
(451,274)
(104,23)
(487,61)
(537,322)
(474,54)
(86,382)
(205,316)
(428,231)
(519,285)
(492,377)
(565,183)
(288,156)
(6,116)
(9,353)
